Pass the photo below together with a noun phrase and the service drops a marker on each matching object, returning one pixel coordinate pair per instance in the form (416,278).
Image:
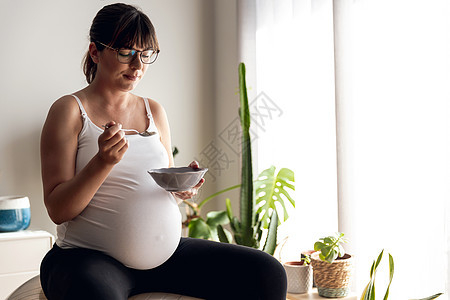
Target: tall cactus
(247,231)
(247,199)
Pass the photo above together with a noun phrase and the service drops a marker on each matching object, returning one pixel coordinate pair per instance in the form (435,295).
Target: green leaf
(174,151)
(372,291)
(224,235)
(365,293)
(199,229)
(328,240)
(391,275)
(391,267)
(238,238)
(332,256)
(229,210)
(217,194)
(372,270)
(380,256)
(244,112)
(257,231)
(330,247)
(318,246)
(271,240)
(214,218)
(269,189)
(236,225)
(286,175)
(431,297)
(322,257)
(285,212)
(326,251)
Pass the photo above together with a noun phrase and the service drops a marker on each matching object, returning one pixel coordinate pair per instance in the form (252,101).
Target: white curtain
(362,86)
(392,98)
(293,59)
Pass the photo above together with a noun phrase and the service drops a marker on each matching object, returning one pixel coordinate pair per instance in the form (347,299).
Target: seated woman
(118,233)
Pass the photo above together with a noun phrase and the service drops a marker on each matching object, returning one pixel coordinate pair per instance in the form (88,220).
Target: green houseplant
(330,247)
(299,275)
(269,186)
(258,198)
(369,291)
(332,267)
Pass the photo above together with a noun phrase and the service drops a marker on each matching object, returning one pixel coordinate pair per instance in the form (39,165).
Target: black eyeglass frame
(132,54)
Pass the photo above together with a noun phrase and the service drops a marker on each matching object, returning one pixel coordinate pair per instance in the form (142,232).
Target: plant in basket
(332,267)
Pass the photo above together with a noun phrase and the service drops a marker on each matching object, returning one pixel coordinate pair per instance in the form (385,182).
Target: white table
(315,296)
(21,253)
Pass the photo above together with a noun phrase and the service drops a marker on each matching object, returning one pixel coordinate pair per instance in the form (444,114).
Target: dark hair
(119,26)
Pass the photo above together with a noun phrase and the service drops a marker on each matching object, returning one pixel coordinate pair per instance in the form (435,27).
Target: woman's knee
(273,266)
(261,275)
(89,285)
(72,274)
(272,280)
(101,277)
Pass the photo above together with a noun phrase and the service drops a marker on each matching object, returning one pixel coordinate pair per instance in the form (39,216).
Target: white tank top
(130,217)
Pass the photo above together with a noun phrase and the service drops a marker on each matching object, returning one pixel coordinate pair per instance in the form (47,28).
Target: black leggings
(198,268)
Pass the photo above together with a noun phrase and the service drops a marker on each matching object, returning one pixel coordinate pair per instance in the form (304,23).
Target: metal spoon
(144,133)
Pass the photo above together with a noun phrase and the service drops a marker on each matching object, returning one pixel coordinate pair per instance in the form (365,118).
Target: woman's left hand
(189,194)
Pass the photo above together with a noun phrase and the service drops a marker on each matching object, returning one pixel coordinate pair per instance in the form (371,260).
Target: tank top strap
(83,112)
(149,112)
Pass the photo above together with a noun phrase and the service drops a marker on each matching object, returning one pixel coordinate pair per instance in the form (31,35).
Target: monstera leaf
(269,190)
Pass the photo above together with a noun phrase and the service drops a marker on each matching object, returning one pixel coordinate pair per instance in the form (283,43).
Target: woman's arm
(67,194)
(162,123)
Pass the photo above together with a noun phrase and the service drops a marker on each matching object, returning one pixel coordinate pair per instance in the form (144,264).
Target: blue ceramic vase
(15,213)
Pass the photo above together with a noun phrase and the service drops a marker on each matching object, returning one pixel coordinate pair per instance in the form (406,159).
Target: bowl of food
(14,213)
(177,179)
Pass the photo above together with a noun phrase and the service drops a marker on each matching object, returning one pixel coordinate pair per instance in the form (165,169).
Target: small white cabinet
(21,254)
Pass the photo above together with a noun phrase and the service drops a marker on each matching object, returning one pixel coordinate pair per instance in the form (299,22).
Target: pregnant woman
(118,232)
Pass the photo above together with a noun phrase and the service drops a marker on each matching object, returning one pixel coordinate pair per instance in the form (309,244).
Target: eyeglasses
(126,56)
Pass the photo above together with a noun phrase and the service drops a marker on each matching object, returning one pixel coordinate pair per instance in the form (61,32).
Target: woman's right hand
(112,143)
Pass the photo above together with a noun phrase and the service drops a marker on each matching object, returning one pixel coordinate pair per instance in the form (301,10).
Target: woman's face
(117,75)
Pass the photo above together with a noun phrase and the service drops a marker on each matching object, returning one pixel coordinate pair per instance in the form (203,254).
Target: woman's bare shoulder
(65,110)
(65,104)
(156,107)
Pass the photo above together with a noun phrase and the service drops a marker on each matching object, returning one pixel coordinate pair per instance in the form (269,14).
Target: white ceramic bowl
(177,178)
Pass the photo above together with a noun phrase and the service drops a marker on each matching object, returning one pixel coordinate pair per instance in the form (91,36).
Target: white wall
(43,43)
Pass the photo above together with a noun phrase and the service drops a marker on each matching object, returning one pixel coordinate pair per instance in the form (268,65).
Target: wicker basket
(332,279)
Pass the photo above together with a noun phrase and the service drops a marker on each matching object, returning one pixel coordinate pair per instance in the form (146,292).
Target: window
(363,90)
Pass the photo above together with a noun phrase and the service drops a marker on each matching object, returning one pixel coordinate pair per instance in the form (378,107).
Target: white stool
(31,290)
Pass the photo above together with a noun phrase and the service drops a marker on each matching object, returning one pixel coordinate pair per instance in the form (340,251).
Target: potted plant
(332,267)
(268,186)
(369,291)
(299,275)
(258,209)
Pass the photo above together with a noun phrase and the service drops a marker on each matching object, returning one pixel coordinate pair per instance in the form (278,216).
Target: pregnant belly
(147,235)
